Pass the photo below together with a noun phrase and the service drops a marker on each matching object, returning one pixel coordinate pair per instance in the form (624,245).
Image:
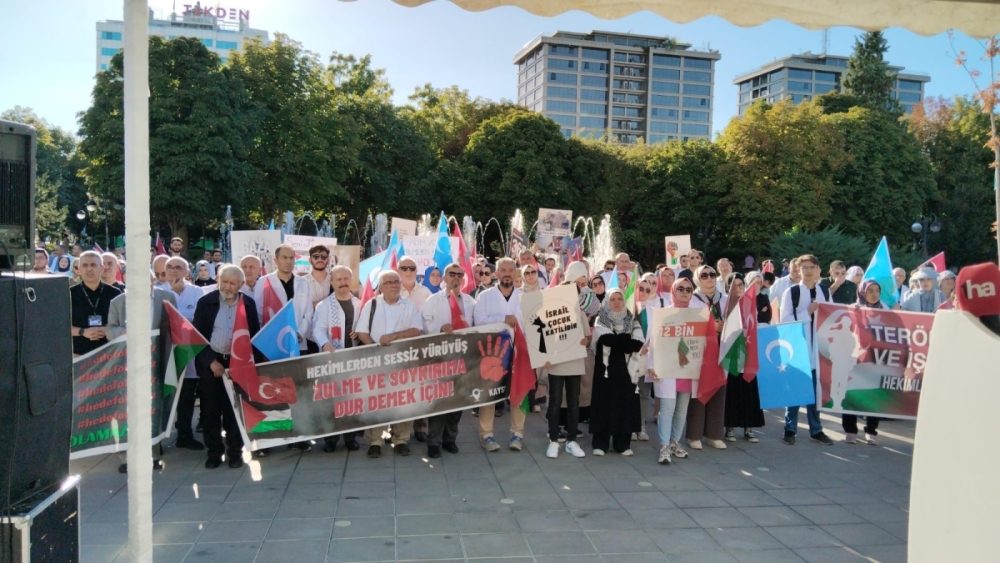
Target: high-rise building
(803,77)
(623,86)
(222,30)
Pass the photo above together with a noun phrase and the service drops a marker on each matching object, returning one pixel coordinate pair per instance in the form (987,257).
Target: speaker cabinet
(17,193)
(36,387)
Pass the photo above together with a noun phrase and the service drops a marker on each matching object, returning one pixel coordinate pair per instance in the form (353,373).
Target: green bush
(832,244)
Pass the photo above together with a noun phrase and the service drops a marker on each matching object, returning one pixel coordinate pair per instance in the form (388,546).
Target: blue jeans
(812,416)
(672,417)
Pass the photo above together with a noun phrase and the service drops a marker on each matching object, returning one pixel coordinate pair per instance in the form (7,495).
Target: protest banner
(421,249)
(871,361)
(553,325)
(677,246)
(678,340)
(403,228)
(518,243)
(302,244)
(369,386)
(553,230)
(100,398)
(257,243)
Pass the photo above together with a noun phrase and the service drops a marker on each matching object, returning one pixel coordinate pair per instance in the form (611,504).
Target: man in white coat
(500,304)
(333,329)
(442,429)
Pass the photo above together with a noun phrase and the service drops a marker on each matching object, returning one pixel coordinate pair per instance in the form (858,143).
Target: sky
(48,47)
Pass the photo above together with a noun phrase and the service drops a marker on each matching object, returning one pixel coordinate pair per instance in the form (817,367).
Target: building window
(599,81)
(207,42)
(666,73)
(104,67)
(223,59)
(909,97)
(744,97)
(777,75)
(909,85)
(653,139)
(627,139)
(662,127)
(666,60)
(627,125)
(562,50)
(826,76)
(907,108)
(688,115)
(596,54)
(111,35)
(231,45)
(629,85)
(824,88)
(567,120)
(744,86)
(628,98)
(697,89)
(794,86)
(777,87)
(566,132)
(796,98)
(671,87)
(696,76)
(696,102)
(694,129)
(628,112)
(556,105)
(562,78)
(558,92)
(109,52)
(630,57)
(697,63)
(597,95)
(595,67)
(594,109)
(670,101)
(663,113)
(593,122)
(562,64)
(799,73)
(630,71)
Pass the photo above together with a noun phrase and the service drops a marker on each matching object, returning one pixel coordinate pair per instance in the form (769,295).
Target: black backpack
(797,293)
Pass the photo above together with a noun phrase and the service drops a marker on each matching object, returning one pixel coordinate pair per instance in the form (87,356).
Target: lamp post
(926,223)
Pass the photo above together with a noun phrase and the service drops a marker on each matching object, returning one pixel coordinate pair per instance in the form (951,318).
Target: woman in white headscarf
(615,413)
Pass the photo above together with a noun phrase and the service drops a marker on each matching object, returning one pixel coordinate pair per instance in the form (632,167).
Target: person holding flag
(738,356)
(333,329)
(281,286)
(706,415)
(215,317)
(445,312)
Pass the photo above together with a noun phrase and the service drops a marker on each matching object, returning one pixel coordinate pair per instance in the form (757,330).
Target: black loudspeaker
(36,387)
(17,193)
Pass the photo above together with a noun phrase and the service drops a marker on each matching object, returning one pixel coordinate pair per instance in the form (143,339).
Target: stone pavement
(763,502)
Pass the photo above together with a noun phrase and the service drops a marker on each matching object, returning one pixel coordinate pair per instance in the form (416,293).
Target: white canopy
(977,18)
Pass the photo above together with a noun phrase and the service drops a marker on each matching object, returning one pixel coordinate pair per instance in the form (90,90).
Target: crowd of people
(614,393)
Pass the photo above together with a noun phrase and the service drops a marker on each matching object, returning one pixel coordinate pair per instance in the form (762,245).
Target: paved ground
(763,502)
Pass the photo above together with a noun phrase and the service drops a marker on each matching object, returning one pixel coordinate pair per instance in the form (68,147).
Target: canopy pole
(138,299)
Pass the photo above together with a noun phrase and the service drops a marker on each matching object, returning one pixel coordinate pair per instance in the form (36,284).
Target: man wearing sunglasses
(407,270)
(443,428)
(485,280)
(319,276)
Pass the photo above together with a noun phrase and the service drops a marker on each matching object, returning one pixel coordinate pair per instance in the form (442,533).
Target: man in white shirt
(623,264)
(333,329)
(784,282)
(251,267)
(383,320)
(500,304)
(902,290)
(443,428)
(283,285)
(799,303)
(319,276)
(724,267)
(186,295)
(159,267)
(410,289)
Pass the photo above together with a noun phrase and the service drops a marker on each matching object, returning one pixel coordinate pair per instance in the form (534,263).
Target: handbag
(636,367)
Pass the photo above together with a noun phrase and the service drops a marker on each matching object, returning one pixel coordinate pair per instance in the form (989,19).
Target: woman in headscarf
(664,285)
(855,273)
(432,279)
(869,297)
(615,413)
(204,275)
(530,283)
(742,398)
(674,394)
(596,284)
(764,311)
(707,419)
(647,300)
(64,266)
(74,268)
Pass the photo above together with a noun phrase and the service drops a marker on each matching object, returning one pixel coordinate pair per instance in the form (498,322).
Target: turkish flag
(457,318)
(523,378)
(242,369)
(276,391)
(748,313)
(272,303)
(465,260)
(367,293)
(712,376)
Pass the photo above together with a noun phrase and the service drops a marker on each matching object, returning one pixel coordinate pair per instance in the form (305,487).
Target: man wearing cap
(927,298)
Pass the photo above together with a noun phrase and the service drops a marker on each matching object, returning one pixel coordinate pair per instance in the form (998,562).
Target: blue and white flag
(785,376)
(279,339)
(880,270)
(442,253)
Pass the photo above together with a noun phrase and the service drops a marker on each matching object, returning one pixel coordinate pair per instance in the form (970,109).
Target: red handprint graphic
(491,367)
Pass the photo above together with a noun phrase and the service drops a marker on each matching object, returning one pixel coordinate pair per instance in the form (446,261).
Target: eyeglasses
(407,268)
(642,290)
(174,267)
(320,256)
(708,275)
(456,274)
(531,273)
(685,289)
(609,268)
(490,274)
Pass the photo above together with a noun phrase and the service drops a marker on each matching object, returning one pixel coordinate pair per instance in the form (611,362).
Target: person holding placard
(706,419)
(615,414)
(530,276)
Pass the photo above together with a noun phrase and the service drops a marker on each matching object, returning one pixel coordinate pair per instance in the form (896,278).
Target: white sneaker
(642,436)
(628,453)
(635,436)
(553,450)
(664,458)
(574,449)
(717,444)
(694,444)
(872,440)
(598,452)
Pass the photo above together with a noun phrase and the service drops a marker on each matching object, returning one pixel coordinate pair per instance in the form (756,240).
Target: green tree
(446,117)
(780,161)
(886,181)
(200,129)
(50,217)
(303,148)
(868,76)
(352,76)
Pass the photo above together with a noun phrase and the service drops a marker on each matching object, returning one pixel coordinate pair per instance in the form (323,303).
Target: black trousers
(185,407)
(349,437)
(217,414)
(571,384)
(850,423)
(622,441)
(443,428)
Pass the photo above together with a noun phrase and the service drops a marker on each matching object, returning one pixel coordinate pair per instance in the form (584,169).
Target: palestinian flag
(523,378)
(259,421)
(682,353)
(186,342)
(739,330)
(630,300)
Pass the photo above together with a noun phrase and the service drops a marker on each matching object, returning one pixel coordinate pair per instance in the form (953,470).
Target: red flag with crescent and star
(272,303)
(243,370)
